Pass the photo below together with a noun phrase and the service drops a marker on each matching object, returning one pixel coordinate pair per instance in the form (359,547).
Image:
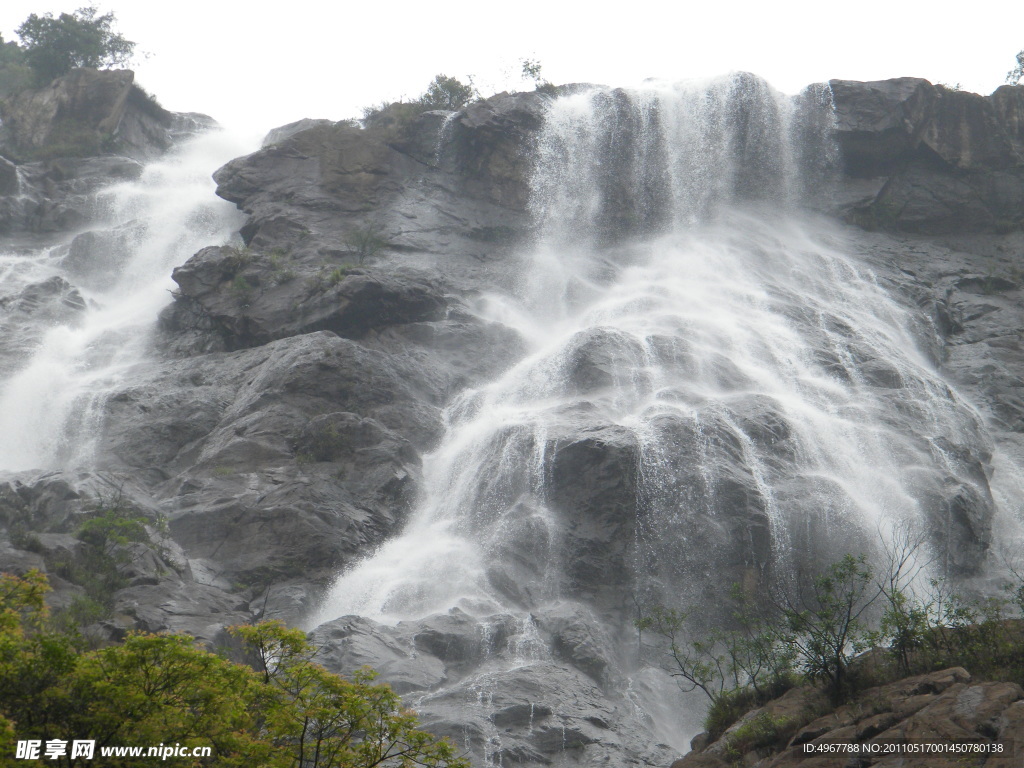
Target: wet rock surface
(83,110)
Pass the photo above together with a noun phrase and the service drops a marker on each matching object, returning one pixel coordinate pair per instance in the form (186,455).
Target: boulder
(248,303)
(352,642)
(95,258)
(279,134)
(441,182)
(578,637)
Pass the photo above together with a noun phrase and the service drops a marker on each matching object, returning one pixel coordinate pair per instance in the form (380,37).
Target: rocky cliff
(300,376)
(61,143)
(932,159)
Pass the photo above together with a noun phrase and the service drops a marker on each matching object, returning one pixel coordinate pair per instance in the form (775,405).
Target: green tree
(325,720)
(815,630)
(34,660)
(289,712)
(15,75)
(531,70)
(366,241)
(737,669)
(55,46)
(1015,75)
(10,52)
(826,625)
(447,93)
(723,662)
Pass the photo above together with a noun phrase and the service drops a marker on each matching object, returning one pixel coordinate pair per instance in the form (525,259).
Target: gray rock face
(265,446)
(59,195)
(84,109)
(943,160)
(61,143)
(971,287)
(247,305)
(593,481)
(540,688)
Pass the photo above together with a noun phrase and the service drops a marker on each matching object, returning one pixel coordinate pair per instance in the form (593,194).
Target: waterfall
(758,373)
(717,386)
(119,272)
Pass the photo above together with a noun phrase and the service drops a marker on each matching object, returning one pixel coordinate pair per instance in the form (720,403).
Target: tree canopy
(287,712)
(85,38)
(1015,75)
(447,93)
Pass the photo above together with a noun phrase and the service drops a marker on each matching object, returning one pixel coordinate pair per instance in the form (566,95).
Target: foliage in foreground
(813,634)
(161,689)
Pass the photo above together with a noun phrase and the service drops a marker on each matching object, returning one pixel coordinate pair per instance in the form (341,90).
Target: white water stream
(50,407)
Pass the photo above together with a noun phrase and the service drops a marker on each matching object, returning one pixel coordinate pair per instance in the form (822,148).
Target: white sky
(255,65)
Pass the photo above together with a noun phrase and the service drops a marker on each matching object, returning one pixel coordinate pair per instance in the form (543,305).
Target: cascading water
(715,389)
(119,274)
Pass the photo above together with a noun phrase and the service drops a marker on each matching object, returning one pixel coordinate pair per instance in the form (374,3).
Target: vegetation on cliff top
(52,47)
(450,94)
(443,92)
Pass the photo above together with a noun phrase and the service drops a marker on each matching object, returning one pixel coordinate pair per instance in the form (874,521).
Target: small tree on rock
(55,46)
(447,93)
(825,626)
(366,241)
(1015,75)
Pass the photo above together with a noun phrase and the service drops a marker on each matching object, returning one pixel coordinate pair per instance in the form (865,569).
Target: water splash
(444,136)
(50,409)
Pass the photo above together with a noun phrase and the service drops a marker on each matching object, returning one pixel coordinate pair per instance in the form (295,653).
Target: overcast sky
(254,65)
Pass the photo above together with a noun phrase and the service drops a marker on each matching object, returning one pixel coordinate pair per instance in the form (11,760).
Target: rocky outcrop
(61,143)
(247,304)
(83,113)
(268,442)
(531,707)
(930,159)
(445,196)
(936,719)
(449,186)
